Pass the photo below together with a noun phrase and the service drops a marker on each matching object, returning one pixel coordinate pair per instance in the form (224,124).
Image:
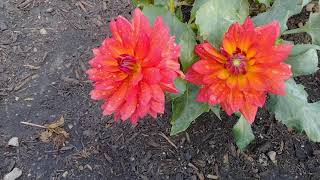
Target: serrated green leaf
(281,10)
(242,132)
(215,16)
(196,5)
(184,34)
(181,84)
(303,60)
(295,112)
(313,28)
(216,110)
(186,109)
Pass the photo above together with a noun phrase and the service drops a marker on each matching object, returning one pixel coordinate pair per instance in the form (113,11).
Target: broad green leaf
(181,85)
(243,133)
(184,34)
(281,10)
(196,5)
(303,60)
(216,110)
(295,112)
(215,16)
(185,109)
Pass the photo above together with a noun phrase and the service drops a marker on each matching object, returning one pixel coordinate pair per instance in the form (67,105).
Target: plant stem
(293,31)
(171,6)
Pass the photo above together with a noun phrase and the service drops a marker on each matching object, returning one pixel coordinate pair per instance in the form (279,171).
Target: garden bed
(44,50)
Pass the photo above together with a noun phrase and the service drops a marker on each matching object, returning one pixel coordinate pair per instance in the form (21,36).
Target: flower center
(237,64)
(127,63)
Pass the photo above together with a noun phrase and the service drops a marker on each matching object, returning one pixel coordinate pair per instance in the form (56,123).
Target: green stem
(293,31)
(171,6)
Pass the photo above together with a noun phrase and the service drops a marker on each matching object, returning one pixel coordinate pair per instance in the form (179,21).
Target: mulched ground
(44,49)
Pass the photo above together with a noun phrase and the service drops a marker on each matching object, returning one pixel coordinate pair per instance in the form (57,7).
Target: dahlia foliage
(233,62)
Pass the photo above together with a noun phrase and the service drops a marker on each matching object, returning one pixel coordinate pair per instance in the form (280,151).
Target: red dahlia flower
(132,69)
(244,70)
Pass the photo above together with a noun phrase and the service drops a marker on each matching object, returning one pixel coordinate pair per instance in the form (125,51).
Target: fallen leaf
(56,124)
(45,136)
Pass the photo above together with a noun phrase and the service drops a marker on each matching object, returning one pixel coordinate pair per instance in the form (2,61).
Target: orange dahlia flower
(248,66)
(132,69)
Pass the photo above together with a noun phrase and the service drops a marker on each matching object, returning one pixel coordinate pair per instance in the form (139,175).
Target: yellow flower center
(236,62)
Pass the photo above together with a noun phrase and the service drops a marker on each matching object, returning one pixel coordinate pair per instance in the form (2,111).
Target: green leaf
(184,34)
(281,10)
(243,133)
(196,5)
(185,109)
(215,16)
(181,85)
(303,60)
(295,112)
(216,110)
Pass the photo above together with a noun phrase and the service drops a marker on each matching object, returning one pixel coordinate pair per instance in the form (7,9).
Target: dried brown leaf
(45,136)
(58,123)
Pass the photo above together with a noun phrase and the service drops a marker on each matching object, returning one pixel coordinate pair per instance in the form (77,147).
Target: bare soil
(44,49)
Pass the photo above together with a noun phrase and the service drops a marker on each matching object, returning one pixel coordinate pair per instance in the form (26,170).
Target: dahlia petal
(256,81)
(170,87)
(157,107)
(268,33)
(229,44)
(204,67)
(232,81)
(246,40)
(234,31)
(160,35)
(256,98)
(217,93)
(101,94)
(194,77)
(151,75)
(168,76)
(125,31)
(142,46)
(276,55)
(145,94)
(202,95)
(157,93)
(117,98)
(243,82)
(153,58)
(249,112)
(223,74)
(114,31)
(129,107)
(136,78)
(233,102)
(140,23)
(248,24)
(208,52)
(153,113)
(143,110)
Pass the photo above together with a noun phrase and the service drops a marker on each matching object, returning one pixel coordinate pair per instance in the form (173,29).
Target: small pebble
(310,6)
(65,174)
(43,31)
(49,10)
(272,156)
(300,24)
(14,174)
(263,160)
(14,142)
(3,26)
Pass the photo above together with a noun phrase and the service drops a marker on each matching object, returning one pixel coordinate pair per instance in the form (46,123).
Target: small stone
(263,160)
(14,142)
(3,26)
(272,156)
(88,167)
(310,6)
(49,10)
(81,168)
(209,176)
(43,31)
(300,24)
(70,126)
(65,174)
(14,174)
